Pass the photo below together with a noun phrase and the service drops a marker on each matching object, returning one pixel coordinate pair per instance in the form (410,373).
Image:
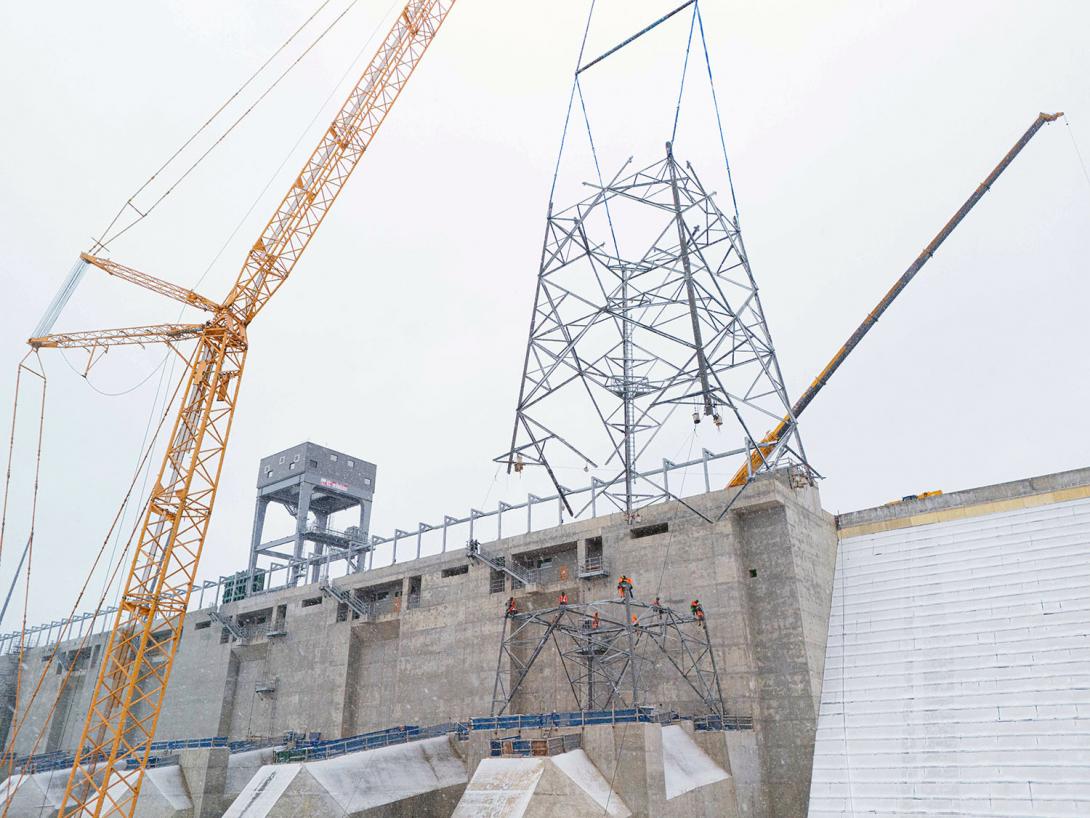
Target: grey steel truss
(645,305)
(607,649)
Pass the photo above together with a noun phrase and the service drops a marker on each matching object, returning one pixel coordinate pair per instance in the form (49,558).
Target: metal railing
(594,566)
(548,574)
(727,722)
(369,741)
(314,749)
(354,536)
(518,747)
(508,519)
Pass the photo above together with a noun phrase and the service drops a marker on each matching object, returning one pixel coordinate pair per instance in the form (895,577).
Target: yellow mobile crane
(757,457)
(132,682)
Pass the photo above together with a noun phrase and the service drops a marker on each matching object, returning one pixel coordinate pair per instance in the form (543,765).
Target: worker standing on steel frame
(624,587)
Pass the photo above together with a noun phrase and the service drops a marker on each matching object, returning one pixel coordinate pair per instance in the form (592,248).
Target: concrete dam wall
(428,651)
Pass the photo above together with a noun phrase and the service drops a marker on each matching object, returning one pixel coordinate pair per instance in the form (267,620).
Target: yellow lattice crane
(759,457)
(124,709)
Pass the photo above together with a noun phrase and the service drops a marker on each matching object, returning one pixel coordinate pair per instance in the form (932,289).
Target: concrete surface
(958,673)
(763,574)
(420,778)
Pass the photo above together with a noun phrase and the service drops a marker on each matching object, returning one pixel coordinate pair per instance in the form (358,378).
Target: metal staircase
(354,603)
(517,573)
(228,624)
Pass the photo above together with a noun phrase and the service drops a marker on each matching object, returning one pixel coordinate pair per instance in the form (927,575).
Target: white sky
(854,131)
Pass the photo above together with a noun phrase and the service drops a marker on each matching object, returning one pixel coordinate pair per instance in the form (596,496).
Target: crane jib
(114,746)
(761,451)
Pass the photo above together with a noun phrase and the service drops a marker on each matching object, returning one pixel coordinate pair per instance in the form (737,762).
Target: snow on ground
(264,790)
(577,765)
(501,788)
(687,766)
(360,781)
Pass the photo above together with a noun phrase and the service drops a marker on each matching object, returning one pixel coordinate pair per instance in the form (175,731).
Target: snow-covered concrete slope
(355,784)
(685,765)
(567,784)
(163,794)
(957,675)
(33,795)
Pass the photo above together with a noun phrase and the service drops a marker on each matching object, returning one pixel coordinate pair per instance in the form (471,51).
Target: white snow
(25,795)
(577,765)
(45,790)
(171,785)
(241,767)
(957,673)
(371,778)
(501,788)
(686,765)
(264,790)
(163,791)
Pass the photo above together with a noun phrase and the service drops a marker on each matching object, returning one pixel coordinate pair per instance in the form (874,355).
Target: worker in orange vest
(596,621)
(624,586)
(697,610)
(563,598)
(512,606)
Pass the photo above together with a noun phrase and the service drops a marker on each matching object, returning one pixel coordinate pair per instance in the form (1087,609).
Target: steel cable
(100,242)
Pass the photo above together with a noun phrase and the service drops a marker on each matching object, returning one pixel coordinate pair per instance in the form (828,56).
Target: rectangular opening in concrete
(594,564)
(200,626)
(261,617)
(456,571)
(553,563)
(311,602)
(650,530)
(382,599)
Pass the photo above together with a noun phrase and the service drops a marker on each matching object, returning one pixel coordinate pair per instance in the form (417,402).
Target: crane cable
(242,221)
(24,368)
(143,462)
(577,90)
(105,239)
(1078,153)
(13,733)
(75,274)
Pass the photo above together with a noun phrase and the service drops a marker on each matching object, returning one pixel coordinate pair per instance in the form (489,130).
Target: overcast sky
(854,131)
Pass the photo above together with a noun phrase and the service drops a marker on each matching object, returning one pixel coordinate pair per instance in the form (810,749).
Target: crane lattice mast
(113,750)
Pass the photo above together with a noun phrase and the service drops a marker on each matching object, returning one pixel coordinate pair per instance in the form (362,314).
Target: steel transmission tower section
(646,322)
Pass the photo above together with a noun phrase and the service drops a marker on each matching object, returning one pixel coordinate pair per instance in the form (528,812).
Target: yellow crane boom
(132,682)
(768,444)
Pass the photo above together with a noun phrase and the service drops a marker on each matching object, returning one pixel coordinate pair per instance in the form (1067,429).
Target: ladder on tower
(474,552)
(354,603)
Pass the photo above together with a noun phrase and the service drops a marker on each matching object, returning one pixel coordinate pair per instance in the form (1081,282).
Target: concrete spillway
(957,677)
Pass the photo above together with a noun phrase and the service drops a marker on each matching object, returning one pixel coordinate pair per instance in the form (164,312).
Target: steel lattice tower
(646,317)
